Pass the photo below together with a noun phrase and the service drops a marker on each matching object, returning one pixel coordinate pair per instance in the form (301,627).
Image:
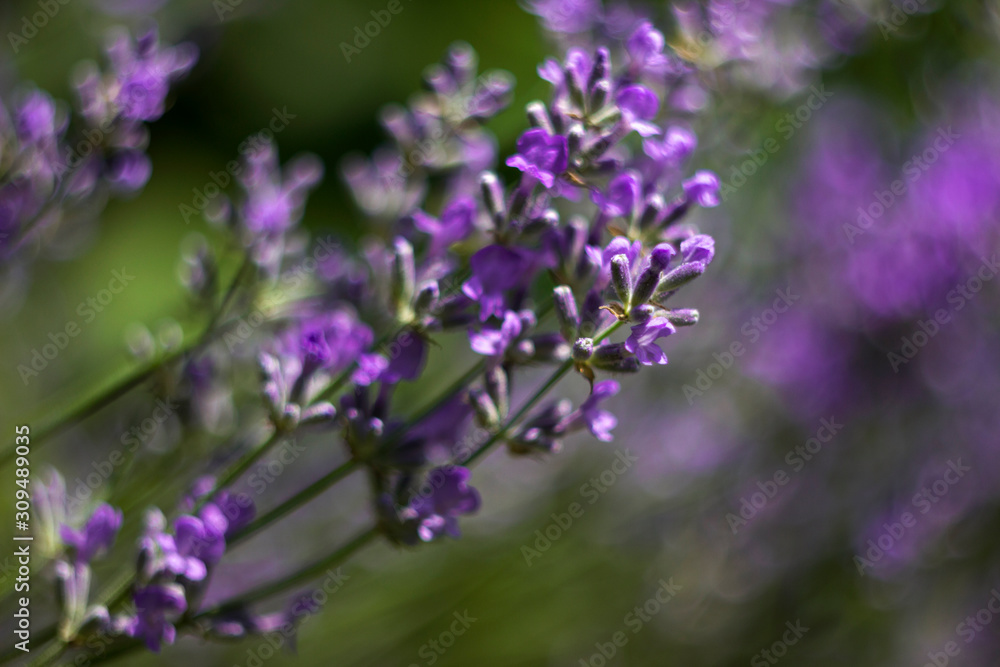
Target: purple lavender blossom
(273,204)
(698,248)
(495,269)
(156,607)
(456,223)
(642,341)
(144,73)
(678,143)
(567,16)
(494,341)
(541,156)
(624,194)
(97,536)
(437,513)
(645,49)
(598,422)
(703,188)
(639,105)
(618,246)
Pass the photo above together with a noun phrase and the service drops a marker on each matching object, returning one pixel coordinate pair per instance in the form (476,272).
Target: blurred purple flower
(456,224)
(437,513)
(97,536)
(541,156)
(495,269)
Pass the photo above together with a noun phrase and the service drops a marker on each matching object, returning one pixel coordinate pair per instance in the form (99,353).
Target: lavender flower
(157,607)
(144,73)
(437,514)
(456,223)
(97,536)
(541,156)
(494,341)
(599,422)
(495,269)
(642,341)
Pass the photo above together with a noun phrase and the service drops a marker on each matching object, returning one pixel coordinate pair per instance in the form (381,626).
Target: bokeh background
(709,431)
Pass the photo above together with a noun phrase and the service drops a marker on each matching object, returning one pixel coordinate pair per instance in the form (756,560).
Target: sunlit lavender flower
(642,341)
(599,422)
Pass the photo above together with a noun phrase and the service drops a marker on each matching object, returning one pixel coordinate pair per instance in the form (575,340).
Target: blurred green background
(578,593)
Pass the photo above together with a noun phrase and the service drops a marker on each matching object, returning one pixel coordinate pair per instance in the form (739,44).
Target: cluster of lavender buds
(537,265)
(59,167)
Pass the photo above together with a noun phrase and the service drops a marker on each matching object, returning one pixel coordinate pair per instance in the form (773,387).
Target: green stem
(124,386)
(531,402)
(241,466)
(97,403)
(300,576)
(296,501)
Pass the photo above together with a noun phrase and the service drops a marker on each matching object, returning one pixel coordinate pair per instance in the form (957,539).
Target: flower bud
(680,276)
(621,278)
(538,116)
(641,314)
(652,210)
(608,353)
(427,298)
(318,413)
(682,317)
(403,278)
(487,415)
(493,198)
(550,348)
(600,94)
(583,349)
(601,68)
(498,389)
(574,138)
(566,312)
(659,258)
